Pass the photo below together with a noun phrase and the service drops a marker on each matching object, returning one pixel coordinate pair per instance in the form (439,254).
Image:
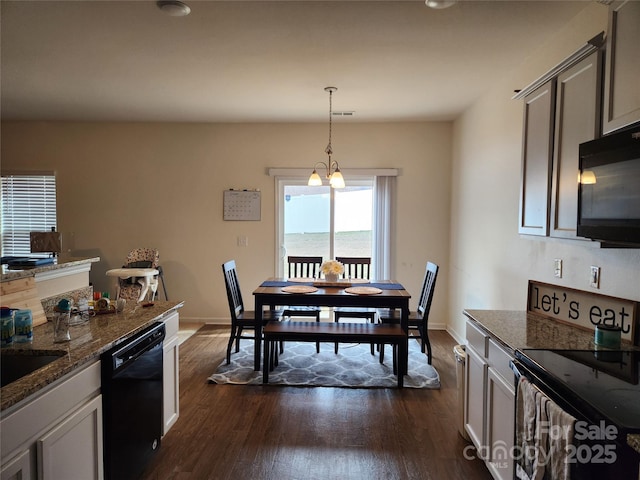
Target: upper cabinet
(568,106)
(561,110)
(622,79)
(577,120)
(537,150)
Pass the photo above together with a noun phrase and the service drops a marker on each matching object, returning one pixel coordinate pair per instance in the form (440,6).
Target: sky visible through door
(307,221)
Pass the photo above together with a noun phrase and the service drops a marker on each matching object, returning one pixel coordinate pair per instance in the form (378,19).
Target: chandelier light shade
(314,179)
(337,180)
(333,173)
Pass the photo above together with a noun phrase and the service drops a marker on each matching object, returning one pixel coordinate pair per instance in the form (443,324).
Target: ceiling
(262,61)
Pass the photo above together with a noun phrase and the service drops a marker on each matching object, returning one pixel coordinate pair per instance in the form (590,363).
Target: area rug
(353,366)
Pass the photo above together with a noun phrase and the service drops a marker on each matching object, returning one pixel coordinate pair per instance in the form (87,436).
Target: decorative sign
(49,242)
(241,205)
(583,309)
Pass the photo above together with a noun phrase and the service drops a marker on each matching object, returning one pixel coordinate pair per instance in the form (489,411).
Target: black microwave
(609,189)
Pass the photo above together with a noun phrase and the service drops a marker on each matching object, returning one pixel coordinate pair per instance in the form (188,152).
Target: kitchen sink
(16,364)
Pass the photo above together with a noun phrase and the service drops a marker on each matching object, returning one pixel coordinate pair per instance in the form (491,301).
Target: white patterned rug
(353,366)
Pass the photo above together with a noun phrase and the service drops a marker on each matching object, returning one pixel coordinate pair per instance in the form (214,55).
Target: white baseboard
(461,340)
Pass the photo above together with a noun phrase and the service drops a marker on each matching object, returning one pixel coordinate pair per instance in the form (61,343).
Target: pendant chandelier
(336,180)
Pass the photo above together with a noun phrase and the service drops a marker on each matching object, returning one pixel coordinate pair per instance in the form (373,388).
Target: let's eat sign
(584,309)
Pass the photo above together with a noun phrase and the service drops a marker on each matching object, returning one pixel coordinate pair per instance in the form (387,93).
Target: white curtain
(383,193)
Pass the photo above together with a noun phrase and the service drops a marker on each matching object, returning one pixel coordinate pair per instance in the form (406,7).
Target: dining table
(276,291)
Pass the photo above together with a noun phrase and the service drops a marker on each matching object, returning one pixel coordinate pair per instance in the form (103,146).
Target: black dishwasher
(132,403)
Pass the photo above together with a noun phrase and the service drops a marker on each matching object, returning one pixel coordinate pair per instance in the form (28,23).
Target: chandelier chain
(336,180)
(329,150)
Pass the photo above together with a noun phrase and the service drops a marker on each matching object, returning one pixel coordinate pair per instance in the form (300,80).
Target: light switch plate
(243,241)
(594,279)
(557,271)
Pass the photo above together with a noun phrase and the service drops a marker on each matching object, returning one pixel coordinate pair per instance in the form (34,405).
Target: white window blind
(28,204)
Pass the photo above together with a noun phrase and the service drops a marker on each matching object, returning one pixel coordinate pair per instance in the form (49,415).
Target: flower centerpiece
(331,269)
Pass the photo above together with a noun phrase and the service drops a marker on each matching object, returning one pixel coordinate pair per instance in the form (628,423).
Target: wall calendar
(241,205)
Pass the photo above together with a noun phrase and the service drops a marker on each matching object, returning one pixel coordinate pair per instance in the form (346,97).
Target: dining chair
(140,258)
(357,268)
(303,267)
(241,319)
(419,319)
(306,267)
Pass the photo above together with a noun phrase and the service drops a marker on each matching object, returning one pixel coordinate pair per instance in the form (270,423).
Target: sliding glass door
(353,221)
(322,221)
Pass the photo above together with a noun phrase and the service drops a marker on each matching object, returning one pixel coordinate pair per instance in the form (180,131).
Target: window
(28,204)
(354,221)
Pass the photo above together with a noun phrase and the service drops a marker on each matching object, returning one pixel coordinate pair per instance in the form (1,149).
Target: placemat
(299,289)
(363,290)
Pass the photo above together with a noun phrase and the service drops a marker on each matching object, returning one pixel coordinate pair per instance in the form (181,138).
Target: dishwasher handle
(133,349)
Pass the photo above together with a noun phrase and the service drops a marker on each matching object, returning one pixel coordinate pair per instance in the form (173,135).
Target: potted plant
(331,270)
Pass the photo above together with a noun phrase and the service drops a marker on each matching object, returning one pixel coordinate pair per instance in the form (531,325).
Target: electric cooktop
(607,381)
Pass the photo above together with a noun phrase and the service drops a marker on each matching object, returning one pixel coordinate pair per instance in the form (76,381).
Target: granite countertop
(517,330)
(88,342)
(60,262)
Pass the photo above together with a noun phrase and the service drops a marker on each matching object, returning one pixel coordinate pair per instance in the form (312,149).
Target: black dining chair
(356,268)
(418,320)
(303,267)
(241,319)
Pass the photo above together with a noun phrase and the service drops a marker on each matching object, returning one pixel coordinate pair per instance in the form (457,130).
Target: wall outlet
(594,279)
(243,241)
(557,271)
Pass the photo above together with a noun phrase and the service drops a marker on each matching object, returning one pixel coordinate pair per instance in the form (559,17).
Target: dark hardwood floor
(294,433)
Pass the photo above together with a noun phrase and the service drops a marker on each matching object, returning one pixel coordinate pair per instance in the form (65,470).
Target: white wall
(490,263)
(122,186)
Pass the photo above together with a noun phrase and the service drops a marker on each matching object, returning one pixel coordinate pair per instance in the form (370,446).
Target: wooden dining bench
(275,332)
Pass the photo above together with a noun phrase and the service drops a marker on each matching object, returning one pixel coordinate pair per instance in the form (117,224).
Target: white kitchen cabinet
(490,402)
(58,433)
(73,449)
(18,468)
(622,74)
(500,417)
(170,376)
(475,398)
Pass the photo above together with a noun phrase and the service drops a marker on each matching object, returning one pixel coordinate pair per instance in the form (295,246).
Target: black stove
(600,385)
(601,390)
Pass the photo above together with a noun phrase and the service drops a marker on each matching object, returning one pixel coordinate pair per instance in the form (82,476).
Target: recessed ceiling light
(439,4)
(174,8)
